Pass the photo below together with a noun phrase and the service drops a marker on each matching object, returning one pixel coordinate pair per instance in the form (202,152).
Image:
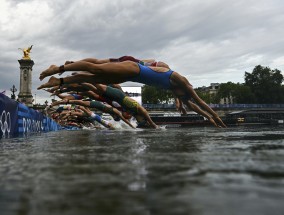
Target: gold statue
(26,52)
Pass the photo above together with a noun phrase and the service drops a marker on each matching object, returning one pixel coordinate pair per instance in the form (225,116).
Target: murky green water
(239,170)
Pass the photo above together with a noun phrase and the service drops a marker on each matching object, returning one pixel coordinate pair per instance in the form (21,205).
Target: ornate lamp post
(13,90)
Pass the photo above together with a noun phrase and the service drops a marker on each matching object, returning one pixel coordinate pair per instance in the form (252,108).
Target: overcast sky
(213,41)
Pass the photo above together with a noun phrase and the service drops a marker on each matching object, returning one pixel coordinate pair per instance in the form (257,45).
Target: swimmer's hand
(111,126)
(219,121)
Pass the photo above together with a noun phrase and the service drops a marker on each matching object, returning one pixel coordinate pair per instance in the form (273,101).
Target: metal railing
(245,106)
(215,106)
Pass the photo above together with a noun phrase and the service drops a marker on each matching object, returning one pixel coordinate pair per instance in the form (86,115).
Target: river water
(201,170)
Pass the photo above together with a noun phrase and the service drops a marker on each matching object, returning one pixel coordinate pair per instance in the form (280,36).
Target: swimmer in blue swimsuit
(147,75)
(109,73)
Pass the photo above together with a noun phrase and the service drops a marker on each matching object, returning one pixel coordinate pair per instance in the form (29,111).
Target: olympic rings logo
(5,123)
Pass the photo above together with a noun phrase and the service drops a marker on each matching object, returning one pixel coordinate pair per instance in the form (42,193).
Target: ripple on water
(165,171)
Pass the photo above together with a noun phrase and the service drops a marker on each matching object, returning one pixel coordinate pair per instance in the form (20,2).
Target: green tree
(154,95)
(225,90)
(265,84)
(282,94)
(206,96)
(243,95)
(240,93)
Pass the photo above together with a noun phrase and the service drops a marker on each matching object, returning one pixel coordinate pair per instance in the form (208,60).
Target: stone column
(25,93)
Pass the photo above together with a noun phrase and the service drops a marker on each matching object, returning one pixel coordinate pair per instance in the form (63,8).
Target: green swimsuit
(127,103)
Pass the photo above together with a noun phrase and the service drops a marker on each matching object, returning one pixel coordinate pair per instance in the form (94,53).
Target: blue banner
(8,116)
(29,120)
(17,119)
(32,121)
(50,125)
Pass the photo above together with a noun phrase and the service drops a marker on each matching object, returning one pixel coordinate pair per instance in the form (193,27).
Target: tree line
(262,86)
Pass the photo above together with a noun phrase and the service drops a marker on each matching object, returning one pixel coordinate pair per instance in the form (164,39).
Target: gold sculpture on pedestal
(26,52)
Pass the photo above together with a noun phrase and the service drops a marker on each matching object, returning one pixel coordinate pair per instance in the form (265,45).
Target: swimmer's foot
(59,102)
(47,90)
(52,70)
(54,93)
(68,62)
(51,83)
(53,89)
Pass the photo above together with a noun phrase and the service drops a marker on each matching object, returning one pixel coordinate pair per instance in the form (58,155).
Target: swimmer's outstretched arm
(201,112)
(143,112)
(96,117)
(215,119)
(179,106)
(206,107)
(87,104)
(117,112)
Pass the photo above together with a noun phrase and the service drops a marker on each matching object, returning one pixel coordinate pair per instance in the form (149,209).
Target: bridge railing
(215,106)
(245,106)
(159,106)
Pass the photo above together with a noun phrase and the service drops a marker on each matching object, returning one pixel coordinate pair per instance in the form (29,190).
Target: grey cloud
(205,41)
